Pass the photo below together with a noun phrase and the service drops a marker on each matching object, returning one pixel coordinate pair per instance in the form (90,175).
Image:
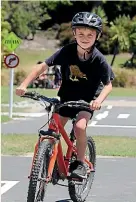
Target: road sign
(11,60)
(12,41)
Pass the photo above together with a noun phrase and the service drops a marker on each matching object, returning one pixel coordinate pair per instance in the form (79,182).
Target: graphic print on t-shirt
(75,73)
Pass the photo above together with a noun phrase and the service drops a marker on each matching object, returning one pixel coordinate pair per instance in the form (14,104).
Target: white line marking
(102,115)
(113,126)
(25,114)
(7,185)
(123,116)
(109,107)
(93,123)
(21,119)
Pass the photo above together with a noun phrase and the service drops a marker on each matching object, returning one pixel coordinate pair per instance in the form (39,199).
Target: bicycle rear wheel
(37,187)
(79,191)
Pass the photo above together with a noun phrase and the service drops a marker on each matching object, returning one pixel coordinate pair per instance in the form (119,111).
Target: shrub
(104,44)
(4,77)
(19,77)
(124,78)
(65,34)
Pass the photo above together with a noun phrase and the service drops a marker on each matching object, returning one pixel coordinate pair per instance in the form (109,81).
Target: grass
(5,118)
(28,58)
(115,146)
(123,92)
(52,92)
(5,94)
(119,60)
(14,144)
(33,56)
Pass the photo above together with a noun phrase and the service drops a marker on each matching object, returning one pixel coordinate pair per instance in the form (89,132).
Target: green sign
(12,41)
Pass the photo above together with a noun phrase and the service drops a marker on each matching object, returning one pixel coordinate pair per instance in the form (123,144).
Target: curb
(97,156)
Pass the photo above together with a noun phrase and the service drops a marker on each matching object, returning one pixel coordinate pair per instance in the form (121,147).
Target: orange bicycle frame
(62,162)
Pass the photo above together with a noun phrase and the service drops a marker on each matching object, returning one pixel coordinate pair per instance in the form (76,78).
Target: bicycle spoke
(37,182)
(80,192)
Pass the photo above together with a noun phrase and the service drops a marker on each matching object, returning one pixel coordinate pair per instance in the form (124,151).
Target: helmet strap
(86,51)
(98,36)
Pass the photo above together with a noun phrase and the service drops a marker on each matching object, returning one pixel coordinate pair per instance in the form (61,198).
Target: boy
(85,76)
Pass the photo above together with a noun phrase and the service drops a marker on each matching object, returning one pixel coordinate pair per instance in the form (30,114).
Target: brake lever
(48,108)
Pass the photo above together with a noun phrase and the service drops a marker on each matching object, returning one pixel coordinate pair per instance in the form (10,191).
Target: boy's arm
(96,104)
(37,70)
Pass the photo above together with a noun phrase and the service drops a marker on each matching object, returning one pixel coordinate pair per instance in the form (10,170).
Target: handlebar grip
(32,95)
(27,94)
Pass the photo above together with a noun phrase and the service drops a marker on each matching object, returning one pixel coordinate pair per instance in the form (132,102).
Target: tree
(103,44)
(123,35)
(132,35)
(100,11)
(5,26)
(115,8)
(25,17)
(5,29)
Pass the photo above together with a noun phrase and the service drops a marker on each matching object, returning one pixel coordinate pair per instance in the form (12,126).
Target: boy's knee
(80,126)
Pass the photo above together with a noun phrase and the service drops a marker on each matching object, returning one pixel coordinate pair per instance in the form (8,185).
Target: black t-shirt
(81,80)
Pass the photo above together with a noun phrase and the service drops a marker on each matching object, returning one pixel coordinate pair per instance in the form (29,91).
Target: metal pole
(11,92)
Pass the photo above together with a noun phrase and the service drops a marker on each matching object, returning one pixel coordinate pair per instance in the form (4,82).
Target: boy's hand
(95,105)
(20,91)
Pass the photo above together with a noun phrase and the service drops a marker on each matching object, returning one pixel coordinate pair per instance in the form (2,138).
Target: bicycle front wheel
(79,191)
(37,186)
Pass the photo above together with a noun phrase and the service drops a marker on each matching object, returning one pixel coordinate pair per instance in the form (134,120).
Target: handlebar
(81,104)
(36,96)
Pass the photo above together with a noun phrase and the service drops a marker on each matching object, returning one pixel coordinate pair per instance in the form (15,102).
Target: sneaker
(78,170)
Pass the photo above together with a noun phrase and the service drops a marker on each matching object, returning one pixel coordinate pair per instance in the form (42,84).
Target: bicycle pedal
(76,181)
(92,171)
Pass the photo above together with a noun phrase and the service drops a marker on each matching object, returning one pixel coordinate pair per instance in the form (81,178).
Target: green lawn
(5,94)
(32,56)
(5,119)
(119,60)
(14,144)
(52,92)
(28,58)
(123,92)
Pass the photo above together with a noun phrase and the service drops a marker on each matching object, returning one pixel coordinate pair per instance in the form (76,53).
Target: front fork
(52,160)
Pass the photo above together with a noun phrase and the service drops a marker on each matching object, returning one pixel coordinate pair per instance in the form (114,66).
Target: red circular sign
(11,60)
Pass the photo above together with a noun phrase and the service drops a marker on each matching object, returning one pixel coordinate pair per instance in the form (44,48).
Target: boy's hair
(39,62)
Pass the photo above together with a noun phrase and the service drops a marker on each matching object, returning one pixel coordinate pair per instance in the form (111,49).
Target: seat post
(72,135)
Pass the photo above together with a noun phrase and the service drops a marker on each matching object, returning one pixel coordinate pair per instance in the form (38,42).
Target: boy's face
(85,37)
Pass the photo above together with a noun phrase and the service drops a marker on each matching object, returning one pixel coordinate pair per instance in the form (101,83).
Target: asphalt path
(110,120)
(115,181)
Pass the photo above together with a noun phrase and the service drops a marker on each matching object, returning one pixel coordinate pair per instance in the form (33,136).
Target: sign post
(11,61)
(11,92)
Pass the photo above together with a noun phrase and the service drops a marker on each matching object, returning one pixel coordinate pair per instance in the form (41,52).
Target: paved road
(115,181)
(110,120)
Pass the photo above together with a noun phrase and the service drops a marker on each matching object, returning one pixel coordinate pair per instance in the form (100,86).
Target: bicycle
(49,164)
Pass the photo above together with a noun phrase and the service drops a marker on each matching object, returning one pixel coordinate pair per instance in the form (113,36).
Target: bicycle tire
(42,156)
(75,197)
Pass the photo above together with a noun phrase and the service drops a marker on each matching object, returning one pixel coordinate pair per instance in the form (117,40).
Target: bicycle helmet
(87,19)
